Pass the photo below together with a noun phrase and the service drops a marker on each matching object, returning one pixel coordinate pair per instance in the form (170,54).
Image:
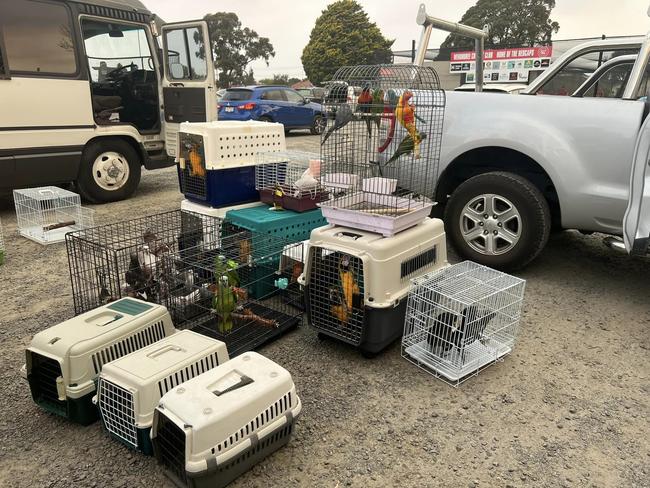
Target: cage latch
(60,388)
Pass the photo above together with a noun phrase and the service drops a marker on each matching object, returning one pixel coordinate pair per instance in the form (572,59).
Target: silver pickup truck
(570,152)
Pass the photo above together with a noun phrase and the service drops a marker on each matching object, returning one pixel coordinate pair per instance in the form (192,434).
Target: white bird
(305,183)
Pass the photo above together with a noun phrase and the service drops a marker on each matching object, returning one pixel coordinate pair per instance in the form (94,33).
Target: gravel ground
(569,407)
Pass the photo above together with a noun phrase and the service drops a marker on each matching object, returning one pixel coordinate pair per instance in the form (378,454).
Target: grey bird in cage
(449,330)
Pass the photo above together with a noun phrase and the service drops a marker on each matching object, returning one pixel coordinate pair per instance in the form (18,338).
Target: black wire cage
(380,150)
(240,289)
(130,258)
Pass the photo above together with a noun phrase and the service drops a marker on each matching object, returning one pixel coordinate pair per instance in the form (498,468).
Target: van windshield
(237,95)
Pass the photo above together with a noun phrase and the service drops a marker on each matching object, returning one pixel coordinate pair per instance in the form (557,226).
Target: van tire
(118,181)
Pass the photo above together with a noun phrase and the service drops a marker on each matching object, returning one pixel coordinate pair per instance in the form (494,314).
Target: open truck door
(636,224)
(189,93)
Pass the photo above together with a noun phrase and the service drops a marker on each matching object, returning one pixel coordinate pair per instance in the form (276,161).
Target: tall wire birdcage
(380,150)
(461,319)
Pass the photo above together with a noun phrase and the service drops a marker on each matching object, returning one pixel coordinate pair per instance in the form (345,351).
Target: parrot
(343,117)
(405,115)
(224,304)
(405,147)
(228,268)
(389,113)
(350,289)
(364,106)
(196,166)
(377,106)
(278,193)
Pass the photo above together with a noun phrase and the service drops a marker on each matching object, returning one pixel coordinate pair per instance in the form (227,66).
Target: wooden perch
(58,225)
(247,315)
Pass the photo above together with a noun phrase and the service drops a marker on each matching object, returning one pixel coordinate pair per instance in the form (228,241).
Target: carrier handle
(163,350)
(349,235)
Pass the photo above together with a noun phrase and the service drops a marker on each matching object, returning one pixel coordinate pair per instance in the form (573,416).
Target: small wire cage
(461,319)
(289,180)
(237,290)
(2,246)
(129,258)
(380,151)
(47,213)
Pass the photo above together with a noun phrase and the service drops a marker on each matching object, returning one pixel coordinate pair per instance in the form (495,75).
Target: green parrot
(377,108)
(224,304)
(227,267)
(405,147)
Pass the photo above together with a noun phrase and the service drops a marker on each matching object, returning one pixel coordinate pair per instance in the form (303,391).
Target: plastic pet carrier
(46,214)
(215,427)
(130,387)
(235,291)
(216,160)
(64,361)
(131,258)
(380,153)
(289,180)
(357,282)
(462,319)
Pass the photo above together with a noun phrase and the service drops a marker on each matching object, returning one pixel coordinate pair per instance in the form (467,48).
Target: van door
(636,224)
(189,93)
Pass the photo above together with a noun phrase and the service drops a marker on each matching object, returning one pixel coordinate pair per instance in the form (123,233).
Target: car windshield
(237,95)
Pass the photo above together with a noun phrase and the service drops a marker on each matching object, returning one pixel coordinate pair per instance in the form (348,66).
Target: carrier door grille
(416,263)
(336,294)
(118,412)
(170,447)
(42,381)
(193,177)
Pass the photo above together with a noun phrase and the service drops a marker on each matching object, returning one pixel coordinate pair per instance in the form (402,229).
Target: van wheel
(109,171)
(498,219)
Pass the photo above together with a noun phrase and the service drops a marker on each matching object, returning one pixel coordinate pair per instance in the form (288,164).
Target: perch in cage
(215,427)
(289,180)
(130,258)
(130,387)
(380,153)
(2,246)
(216,160)
(462,319)
(235,291)
(356,282)
(64,361)
(46,214)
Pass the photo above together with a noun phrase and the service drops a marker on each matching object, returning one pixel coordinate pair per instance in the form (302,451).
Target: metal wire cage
(461,319)
(380,151)
(47,213)
(2,246)
(129,258)
(238,290)
(289,179)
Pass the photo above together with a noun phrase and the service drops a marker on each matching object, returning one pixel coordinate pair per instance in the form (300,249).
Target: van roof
(129,5)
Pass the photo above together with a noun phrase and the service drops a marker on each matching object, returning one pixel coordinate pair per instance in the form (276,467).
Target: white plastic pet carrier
(356,282)
(64,361)
(130,387)
(213,428)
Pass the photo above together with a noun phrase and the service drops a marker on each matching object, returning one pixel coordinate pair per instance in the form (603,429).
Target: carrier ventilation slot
(422,260)
(201,366)
(274,411)
(137,341)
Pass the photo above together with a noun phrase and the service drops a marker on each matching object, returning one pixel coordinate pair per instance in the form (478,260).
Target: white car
(509,88)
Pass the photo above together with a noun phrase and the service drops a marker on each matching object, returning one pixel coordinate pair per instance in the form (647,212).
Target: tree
(234,47)
(276,80)
(511,23)
(343,35)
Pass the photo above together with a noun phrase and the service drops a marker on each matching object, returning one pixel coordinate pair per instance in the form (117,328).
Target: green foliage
(234,47)
(343,36)
(511,23)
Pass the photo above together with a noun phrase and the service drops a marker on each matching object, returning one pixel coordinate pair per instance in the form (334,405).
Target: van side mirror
(176,71)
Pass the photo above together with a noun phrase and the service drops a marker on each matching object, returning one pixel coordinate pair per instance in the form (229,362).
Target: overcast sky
(288,23)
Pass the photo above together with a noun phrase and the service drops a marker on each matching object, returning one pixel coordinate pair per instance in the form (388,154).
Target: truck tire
(498,219)
(109,171)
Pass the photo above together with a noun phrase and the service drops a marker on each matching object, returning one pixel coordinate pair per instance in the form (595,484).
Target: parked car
(509,88)
(272,104)
(313,94)
(340,92)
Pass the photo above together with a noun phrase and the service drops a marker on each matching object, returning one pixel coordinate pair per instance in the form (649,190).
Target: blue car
(272,104)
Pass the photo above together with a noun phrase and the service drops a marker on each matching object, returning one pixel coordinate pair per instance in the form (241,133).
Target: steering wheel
(114,73)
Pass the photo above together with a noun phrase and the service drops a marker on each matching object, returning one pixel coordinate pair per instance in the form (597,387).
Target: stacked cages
(380,153)
(47,213)
(289,180)
(236,291)
(131,258)
(461,320)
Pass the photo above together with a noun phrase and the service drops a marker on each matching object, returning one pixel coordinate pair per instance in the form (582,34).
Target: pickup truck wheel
(498,219)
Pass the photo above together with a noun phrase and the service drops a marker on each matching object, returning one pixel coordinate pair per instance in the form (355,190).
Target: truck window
(612,83)
(38,37)
(185,54)
(568,79)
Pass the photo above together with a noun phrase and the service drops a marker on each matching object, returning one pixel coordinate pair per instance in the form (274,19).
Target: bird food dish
(130,387)
(64,361)
(215,427)
(356,282)
(461,319)
(380,153)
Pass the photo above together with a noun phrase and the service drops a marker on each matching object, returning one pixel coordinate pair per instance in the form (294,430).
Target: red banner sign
(504,54)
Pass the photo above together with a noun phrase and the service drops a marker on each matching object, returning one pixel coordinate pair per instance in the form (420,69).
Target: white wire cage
(289,179)
(2,246)
(461,319)
(48,213)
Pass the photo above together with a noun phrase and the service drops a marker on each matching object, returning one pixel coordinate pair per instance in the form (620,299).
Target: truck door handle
(176,84)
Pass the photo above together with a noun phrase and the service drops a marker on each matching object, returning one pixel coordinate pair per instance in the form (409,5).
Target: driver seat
(105,105)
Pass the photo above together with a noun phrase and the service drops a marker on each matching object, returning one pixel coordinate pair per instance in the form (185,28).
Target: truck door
(636,224)
(189,93)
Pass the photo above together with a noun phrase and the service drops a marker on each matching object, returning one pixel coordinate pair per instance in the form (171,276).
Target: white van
(87,94)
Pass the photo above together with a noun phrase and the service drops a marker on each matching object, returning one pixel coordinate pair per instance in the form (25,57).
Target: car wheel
(109,171)
(498,219)
(264,118)
(318,125)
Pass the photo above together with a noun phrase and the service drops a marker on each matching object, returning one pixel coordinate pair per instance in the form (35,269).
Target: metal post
(412,50)
(480,49)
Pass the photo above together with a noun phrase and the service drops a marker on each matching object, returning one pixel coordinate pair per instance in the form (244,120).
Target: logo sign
(503,65)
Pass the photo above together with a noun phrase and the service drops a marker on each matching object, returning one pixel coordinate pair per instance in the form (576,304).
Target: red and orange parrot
(364,106)
(405,115)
